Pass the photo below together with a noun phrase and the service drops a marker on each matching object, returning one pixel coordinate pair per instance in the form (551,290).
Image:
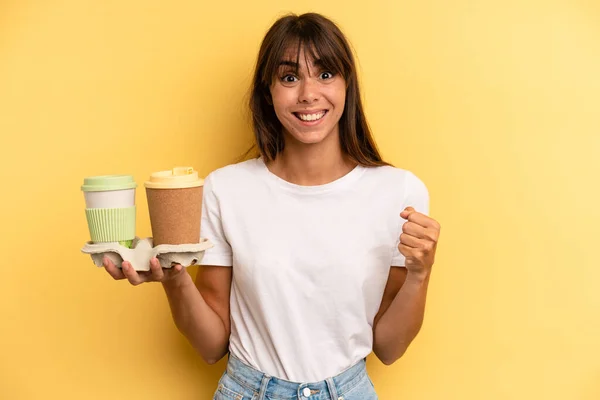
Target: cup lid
(104,183)
(176,178)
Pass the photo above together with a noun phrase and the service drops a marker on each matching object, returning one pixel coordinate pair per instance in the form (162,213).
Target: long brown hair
(324,41)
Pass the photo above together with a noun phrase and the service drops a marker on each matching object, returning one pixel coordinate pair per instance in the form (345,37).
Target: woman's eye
(289,79)
(326,75)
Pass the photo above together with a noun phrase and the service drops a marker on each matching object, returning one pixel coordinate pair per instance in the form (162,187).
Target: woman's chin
(310,137)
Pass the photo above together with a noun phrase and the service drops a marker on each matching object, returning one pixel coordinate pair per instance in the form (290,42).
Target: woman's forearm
(401,322)
(194,318)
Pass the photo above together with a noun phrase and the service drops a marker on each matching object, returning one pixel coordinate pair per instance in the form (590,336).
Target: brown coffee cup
(175,206)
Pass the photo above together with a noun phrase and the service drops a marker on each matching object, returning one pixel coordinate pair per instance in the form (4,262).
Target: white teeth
(311,117)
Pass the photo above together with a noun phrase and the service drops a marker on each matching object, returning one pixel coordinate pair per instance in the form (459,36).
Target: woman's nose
(309,91)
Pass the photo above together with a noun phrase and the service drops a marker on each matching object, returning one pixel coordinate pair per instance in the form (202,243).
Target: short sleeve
(417,197)
(211,228)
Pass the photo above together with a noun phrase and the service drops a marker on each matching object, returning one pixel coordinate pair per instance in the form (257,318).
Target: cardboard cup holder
(143,250)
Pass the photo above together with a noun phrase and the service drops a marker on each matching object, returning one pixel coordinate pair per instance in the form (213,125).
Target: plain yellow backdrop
(495,105)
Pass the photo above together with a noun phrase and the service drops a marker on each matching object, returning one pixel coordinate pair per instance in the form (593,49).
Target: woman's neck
(310,165)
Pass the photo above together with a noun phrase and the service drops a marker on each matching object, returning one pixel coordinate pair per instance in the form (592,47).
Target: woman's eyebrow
(293,64)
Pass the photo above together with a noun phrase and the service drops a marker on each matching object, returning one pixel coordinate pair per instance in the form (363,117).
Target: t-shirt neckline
(339,183)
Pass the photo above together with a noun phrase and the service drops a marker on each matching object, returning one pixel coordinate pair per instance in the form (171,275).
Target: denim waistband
(272,387)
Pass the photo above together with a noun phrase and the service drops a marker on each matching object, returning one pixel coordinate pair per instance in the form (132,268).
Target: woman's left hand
(418,242)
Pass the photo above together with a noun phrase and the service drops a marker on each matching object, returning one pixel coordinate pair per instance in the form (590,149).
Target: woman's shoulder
(395,175)
(233,174)
(401,184)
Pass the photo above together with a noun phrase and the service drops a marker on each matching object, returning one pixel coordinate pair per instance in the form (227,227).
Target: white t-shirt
(310,263)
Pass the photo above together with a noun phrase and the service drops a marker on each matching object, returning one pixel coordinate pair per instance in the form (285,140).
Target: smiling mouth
(310,117)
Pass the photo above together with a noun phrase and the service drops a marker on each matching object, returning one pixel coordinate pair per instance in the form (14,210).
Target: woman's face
(308,103)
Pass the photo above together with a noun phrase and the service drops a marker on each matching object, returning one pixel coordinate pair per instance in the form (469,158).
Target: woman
(322,252)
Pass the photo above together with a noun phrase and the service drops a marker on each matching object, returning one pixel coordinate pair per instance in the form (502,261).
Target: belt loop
(332,390)
(263,386)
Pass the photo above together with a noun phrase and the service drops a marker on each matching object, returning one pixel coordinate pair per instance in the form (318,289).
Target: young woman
(322,252)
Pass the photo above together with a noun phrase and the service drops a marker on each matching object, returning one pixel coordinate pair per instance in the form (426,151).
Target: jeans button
(306,392)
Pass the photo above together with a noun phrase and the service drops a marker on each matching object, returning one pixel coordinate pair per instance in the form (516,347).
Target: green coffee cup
(110,208)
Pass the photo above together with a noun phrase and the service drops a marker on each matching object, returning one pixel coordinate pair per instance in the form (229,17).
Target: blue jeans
(242,382)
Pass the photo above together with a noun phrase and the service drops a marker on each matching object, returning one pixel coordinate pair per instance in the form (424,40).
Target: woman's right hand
(156,273)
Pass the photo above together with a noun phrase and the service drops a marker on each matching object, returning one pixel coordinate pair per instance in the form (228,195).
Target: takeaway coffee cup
(175,206)
(110,208)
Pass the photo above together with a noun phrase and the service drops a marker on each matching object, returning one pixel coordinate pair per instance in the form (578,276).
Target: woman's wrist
(178,281)
(418,277)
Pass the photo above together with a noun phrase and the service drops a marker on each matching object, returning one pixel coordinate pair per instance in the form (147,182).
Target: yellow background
(494,104)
